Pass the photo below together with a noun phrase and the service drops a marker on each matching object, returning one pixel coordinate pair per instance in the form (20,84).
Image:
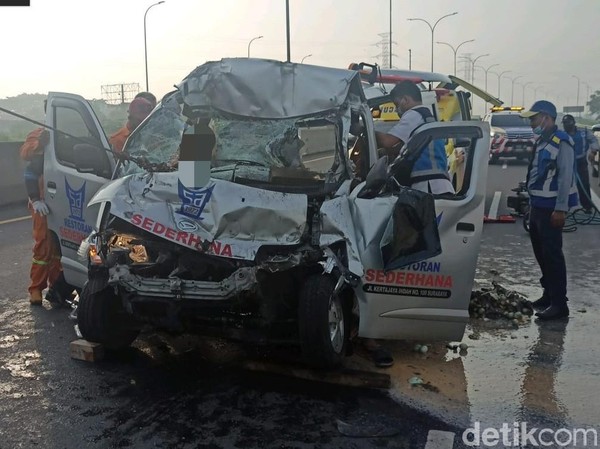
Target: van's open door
(429,300)
(76,164)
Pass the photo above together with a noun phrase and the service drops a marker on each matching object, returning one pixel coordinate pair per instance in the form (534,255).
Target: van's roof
(264,88)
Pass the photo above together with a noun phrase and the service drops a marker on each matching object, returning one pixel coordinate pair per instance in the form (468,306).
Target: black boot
(541,303)
(554,312)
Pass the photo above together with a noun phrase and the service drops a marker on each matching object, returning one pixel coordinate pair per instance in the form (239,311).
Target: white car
(281,244)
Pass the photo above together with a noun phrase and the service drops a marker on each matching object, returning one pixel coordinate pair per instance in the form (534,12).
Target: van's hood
(235,221)
(222,218)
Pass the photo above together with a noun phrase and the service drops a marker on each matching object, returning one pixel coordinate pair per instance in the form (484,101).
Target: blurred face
(538,121)
(569,125)
(401,104)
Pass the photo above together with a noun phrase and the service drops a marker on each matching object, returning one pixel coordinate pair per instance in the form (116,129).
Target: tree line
(14,129)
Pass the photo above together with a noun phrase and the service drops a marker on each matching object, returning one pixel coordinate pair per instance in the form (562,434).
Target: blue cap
(542,106)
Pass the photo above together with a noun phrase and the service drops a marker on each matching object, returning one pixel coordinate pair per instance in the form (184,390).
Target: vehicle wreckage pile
(497,302)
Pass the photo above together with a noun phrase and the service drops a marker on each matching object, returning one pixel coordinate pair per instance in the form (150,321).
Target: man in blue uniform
(585,145)
(552,192)
(430,170)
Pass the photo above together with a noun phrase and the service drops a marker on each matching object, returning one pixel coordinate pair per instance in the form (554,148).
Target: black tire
(493,159)
(324,342)
(102,319)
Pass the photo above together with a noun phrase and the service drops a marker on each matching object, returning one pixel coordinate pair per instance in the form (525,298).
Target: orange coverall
(117,140)
(45,266)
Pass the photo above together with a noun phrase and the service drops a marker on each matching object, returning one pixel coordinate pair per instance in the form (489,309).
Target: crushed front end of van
(273,246)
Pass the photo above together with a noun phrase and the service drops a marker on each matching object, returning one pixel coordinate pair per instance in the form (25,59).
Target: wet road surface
(181,393)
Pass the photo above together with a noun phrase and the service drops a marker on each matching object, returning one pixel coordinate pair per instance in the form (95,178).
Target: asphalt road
(191,393)
(166,392)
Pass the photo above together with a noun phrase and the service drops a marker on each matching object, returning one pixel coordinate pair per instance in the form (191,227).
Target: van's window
(509,120)
(74,131)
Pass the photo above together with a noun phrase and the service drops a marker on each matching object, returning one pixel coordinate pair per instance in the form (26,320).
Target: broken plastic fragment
(415,380)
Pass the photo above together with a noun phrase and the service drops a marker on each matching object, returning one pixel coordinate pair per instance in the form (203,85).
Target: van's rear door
(67,190)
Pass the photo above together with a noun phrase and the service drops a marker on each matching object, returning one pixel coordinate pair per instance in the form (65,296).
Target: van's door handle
(51,185)
(465,227)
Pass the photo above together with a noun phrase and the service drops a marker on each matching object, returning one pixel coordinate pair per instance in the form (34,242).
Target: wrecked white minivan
(284,242)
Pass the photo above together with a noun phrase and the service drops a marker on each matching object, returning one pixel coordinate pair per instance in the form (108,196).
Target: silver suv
(511,134)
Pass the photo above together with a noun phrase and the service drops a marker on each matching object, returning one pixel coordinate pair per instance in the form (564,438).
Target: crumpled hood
(222,218)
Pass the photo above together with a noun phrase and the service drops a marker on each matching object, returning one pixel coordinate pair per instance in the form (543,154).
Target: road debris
(415,380)
(497,302)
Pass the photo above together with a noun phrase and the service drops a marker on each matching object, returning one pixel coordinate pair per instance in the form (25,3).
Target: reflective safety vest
(542,176)
(432,164)
(581,143)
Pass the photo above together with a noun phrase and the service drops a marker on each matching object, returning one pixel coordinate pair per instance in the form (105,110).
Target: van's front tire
(323,322)
(102,319)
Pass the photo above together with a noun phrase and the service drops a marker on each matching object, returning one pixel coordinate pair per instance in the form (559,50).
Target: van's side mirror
(91,159)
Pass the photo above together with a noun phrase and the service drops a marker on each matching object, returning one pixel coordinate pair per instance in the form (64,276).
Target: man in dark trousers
(585,144)
(552,192)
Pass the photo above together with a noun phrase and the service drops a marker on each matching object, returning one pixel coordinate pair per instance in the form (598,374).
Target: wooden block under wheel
(86,350)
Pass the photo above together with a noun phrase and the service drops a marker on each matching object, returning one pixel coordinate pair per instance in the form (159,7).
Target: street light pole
(499,75)
(588,93)
(287,30)
(523,97)
(455,50)
(512,92)
(145,46)
(251,40)
(432,28)
(486,79)
(578,82)
(307,56)
(486,73)
(391,35)
(473,69)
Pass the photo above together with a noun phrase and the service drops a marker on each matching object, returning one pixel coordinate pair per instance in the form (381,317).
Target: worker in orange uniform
(46,269)
(148,96)
(138,110)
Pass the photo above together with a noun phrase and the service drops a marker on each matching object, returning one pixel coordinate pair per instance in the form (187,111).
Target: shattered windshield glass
(157,140)
(283,151)
(271,143)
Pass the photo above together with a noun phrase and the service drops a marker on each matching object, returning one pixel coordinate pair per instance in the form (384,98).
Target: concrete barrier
(12,186)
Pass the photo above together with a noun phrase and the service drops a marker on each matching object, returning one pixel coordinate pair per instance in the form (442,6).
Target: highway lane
(113,406)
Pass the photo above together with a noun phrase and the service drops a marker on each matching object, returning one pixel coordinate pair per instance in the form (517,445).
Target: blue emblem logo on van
(193,201)
(76,199)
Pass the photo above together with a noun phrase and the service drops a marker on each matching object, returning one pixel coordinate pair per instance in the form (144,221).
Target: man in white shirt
(430,171)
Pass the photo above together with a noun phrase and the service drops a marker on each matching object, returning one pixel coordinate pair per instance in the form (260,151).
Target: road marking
(318,159)
(436,439)
(493,213)
(12,220)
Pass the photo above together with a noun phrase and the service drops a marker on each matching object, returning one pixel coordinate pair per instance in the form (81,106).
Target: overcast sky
(79,45)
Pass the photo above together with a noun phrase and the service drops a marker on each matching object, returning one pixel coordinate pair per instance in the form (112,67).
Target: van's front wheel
(324,322)
(102,319)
